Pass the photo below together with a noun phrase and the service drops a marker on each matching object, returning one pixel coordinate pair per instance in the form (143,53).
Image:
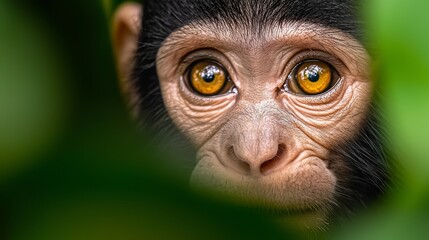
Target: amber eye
(207,78)
(311,77)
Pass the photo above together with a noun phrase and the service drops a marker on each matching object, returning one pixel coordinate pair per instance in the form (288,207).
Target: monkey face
(280,111)
(265,130)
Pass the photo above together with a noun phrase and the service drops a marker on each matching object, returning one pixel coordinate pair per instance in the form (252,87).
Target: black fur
(366,175)
(362,167)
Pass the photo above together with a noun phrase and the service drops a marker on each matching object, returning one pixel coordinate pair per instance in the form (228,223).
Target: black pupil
(313,76)
(209,73)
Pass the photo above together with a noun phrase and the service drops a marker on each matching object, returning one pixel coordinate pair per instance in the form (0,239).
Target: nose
(256,144)
(254,160)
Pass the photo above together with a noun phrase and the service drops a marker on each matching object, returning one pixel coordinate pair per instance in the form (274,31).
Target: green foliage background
(73,167)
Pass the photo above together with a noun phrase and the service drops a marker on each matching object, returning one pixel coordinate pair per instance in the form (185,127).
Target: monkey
(275,96)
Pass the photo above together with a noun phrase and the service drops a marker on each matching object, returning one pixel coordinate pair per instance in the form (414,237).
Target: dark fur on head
(366,175)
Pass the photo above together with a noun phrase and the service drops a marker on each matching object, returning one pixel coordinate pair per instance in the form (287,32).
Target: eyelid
(202,54)
(189,60)
(208,54)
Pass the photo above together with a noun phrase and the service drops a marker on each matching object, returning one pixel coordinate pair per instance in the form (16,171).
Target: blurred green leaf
(398,30)
(32,94)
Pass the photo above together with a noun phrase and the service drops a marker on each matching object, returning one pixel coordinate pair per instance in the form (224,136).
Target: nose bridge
(257,140)
(254,138)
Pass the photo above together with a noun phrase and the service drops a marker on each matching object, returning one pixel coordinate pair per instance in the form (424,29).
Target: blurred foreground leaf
(398,30)
(32,96)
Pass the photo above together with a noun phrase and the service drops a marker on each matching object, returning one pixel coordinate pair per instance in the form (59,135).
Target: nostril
(238,164)
(272,164)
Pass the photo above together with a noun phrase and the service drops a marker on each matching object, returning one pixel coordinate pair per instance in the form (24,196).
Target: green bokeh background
(73,167)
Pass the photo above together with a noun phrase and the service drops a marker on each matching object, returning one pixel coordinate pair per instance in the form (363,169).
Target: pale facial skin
(260,143)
